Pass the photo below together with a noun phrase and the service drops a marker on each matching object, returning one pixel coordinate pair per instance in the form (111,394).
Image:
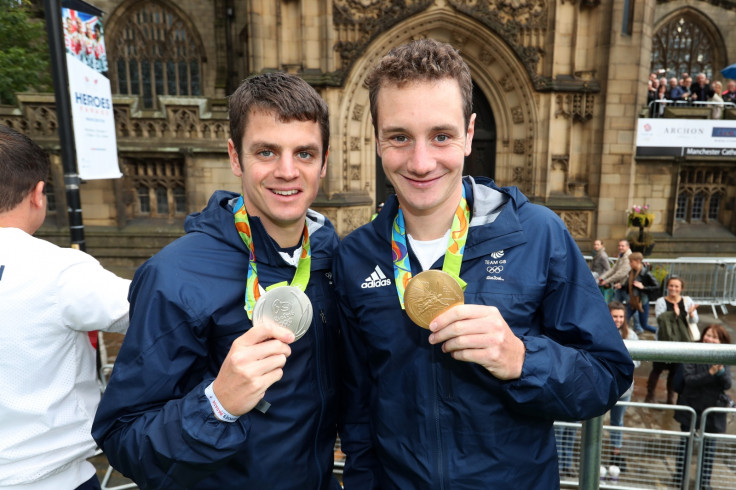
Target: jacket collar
(217,220)
(494,223)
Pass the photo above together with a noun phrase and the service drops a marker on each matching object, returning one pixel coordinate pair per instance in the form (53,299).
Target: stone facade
(565,85)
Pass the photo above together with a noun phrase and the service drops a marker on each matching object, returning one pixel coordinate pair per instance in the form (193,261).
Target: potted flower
(640,217)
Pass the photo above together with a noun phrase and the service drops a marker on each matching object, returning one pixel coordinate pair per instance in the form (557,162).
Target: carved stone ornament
(358,22)
(578,106)
(520,23)
(358,112)
(577,222)
(517,115)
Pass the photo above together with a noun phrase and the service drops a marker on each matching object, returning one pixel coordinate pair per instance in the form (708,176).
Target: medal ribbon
(453,257)
(252,291)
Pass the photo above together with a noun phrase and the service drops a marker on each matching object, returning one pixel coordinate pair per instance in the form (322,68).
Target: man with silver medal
(229,368)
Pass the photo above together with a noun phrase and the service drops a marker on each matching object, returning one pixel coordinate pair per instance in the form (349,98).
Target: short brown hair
(289,96)
(23,164)
(420,60)
(616,305)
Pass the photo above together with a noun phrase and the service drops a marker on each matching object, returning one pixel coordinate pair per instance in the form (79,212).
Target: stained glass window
(155,54)
(682,46)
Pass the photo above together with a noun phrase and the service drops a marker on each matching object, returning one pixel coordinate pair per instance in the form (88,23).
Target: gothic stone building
(559,87)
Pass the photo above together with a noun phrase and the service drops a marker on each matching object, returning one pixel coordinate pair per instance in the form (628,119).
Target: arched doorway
(482,158)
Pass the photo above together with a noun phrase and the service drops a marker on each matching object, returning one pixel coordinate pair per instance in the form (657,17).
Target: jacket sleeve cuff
(200,424)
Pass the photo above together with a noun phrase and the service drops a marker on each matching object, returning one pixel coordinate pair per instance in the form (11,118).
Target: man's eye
(441,138)
(265,153)
(400,138)
(304,155)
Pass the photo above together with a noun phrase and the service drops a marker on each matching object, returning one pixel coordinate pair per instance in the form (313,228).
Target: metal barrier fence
(653,456)
(708,281)
(668,459)
(650,455)
(717,455)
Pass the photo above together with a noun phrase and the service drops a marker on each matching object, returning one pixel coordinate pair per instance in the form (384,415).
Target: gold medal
(429,294)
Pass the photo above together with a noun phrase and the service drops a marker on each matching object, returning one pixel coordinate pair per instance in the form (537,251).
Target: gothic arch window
(684,45)
(154,52)
(158,186)
(700,195)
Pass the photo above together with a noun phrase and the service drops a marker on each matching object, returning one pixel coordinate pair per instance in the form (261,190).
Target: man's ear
(469,135)
(38,196)
(234,160)
(323,172)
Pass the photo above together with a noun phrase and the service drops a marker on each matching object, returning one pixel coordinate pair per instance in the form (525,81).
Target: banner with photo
(686,137)
(91,97)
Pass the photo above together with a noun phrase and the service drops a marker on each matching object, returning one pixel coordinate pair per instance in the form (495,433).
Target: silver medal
(286,306)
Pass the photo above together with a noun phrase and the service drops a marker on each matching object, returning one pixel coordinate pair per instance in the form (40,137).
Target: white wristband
(217,408)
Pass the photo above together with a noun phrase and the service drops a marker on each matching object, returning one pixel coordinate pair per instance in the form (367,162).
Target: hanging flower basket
(640,217)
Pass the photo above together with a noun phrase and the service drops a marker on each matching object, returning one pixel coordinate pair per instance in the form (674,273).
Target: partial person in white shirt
(50,298)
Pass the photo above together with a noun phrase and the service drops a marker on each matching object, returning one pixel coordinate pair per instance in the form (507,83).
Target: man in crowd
(701,90)
(471,402)
(620,269)
(52,297)
(730,94)
(600,263)
(675,91)
(208,394)
(687,88)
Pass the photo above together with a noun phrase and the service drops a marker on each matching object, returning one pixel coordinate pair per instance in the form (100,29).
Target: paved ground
(641,374)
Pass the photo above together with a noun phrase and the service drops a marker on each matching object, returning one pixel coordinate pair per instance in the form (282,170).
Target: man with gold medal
(471,402)
(228,372)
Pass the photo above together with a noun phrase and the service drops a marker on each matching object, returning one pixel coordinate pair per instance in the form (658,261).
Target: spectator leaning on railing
(717,110)
(701,90)
(618,272)
(675,91)
(705,386)
(730,94)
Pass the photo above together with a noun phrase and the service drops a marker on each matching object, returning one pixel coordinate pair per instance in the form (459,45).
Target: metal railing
(592,430)
(716,454)
(649,455)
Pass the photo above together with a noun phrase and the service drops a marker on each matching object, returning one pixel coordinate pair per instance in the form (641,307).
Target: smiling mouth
(285,193)
(423,181)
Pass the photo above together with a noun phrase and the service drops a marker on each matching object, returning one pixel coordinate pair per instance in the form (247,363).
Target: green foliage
(660,272)
(24,54)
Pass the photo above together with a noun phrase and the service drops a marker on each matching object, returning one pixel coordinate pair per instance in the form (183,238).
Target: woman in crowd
(705,386)
(674,313)
(660,100)
(641,285)
(617,412)
(717,110)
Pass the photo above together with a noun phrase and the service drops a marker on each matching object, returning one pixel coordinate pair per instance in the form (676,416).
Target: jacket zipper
(318,353)
(437,425)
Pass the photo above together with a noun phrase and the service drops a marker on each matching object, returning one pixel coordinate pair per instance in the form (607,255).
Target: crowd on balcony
(684,91)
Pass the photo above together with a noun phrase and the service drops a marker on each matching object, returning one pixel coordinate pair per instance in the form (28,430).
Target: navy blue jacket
(414,417)
(186,307)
